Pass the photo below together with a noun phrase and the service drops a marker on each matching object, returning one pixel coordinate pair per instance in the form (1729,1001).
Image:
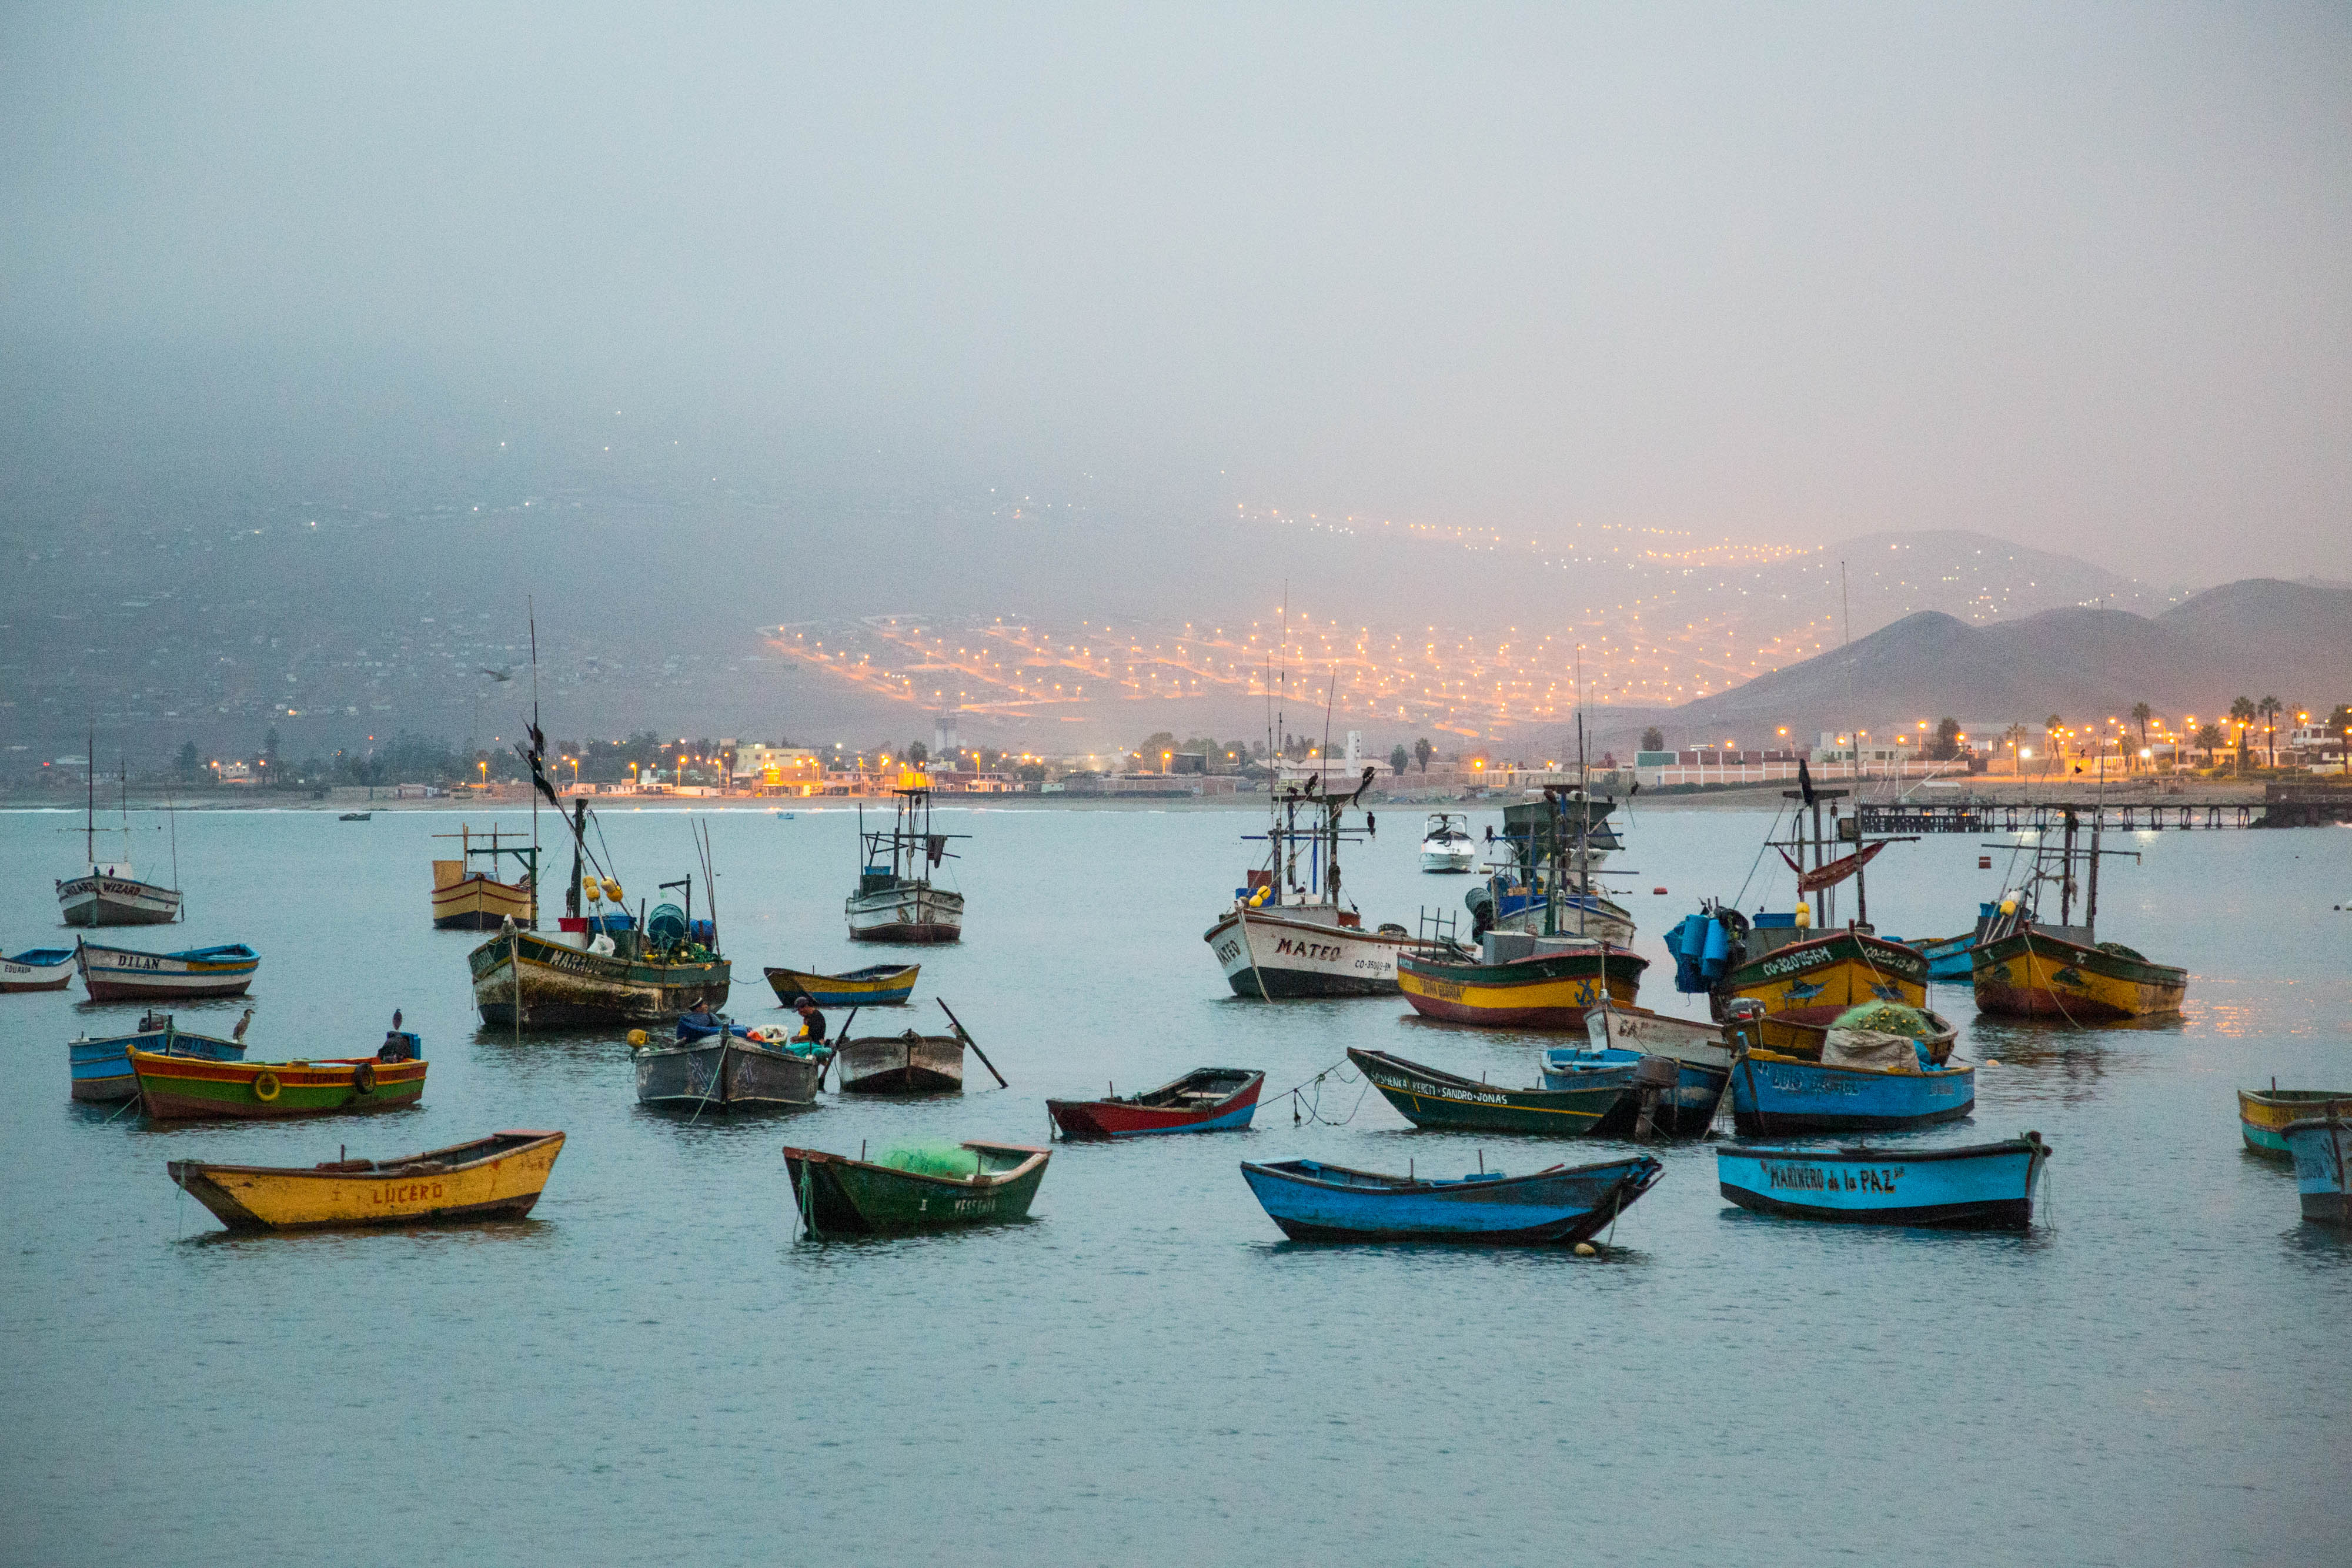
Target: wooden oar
(971,1042)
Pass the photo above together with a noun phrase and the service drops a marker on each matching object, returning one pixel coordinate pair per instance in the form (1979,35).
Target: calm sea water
(654,1368)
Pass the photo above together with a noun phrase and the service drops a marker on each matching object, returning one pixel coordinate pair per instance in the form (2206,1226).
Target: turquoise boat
(102,1067)
(1560,1203)
(1775,1094)
(1984,1187)
(2322,1147)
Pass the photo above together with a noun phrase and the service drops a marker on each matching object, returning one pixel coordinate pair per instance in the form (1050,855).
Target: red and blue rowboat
(1205,1100)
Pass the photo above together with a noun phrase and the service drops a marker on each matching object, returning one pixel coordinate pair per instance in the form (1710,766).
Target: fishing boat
(1701,1055)
(122,974)
(2264,1115)
(1541,880)
(1985,1186)
(895,900)
(1205,1100)
(1591,1104)
(1518,981)
(2026,968)
(1291,931)
(1772,1092)
(718,1065)
(1951,958)
(110,894)
(1312,1201)
(37,969)
(875,986)
(468,899)
(908,1063)
(2320,1147)
(101,1069)
(355,817)
(933,1186)
(180,1087)
(1446,843)
(527,981)
(497,1177)
(1798,965)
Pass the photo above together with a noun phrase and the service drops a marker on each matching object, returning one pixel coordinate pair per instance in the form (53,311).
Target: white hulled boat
(1446,844)
(1290,932)
(895,900)
(110,895)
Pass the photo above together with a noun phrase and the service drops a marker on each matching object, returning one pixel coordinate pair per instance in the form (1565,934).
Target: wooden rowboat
(1979,1186)
(123,975)
(1599,1102)
(1205,1100)
(37,969)
(2322,1148)
(907,1063)
(877,986)
(1315,1202)
(497,1177)
(917,1188)
(2263,1114)
(102,1067)
(180,1087)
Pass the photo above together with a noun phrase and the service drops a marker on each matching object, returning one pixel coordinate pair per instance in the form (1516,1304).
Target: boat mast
(531,608)
(2066,873)
(2091,903)
(1584,820)
(89,799)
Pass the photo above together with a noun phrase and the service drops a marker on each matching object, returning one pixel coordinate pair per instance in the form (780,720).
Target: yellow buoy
(593,888)
(636,1037)
(1587,1250)
(1804,915)
(613,891)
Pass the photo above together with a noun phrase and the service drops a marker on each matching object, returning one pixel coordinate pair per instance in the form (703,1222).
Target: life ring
(264,1087)
(364,1080)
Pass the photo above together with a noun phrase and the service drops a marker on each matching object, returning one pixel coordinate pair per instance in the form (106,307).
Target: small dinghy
(2264,1115)
(1577,1104)
(497,1177)
(875,986)
(37,969)
(908,1063)
(102,1067)
(1980,1186)
(355,816)
(916,1186)
(1561,1203)
(1205,1100)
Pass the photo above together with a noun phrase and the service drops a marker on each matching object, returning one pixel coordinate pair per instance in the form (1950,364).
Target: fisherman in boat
(811,1020)
(697,1019)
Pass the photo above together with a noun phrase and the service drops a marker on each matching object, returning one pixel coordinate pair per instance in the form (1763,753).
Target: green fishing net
(931,1159)
(1887,1017)
(2120,951)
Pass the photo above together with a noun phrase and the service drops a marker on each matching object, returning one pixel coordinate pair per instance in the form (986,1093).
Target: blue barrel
(1716,954)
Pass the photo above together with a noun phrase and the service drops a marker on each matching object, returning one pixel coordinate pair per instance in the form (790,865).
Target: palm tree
(2242,712)
(2270,708)
(2053,747)
(2209,736)
(1422,751)
(2141,713)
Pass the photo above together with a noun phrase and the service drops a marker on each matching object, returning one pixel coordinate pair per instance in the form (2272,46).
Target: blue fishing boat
(1771,1093)
(2321,1146)
(102,1067)
(1948,958)
(1560,1203)
(1984,1187)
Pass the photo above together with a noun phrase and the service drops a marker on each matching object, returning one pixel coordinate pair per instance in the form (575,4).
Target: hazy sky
(2081,276)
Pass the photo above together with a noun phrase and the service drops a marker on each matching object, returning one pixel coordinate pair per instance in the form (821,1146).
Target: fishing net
(1887,1017)
(931,1159)
(2120,951)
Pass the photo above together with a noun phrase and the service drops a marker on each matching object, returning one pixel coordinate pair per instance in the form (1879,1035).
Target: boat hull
(732,1075)
(102,900)
(1808,984)
(102,1070)
(1428,1097)
(1601,919)
(564,987)
(1983,1186)
(1273,957)
(120,975)
(841,1196)
(914,913)
(1774,1093)
(2264,1115)
(2032,974)
(1552,991)
(902,1064)
(1108,1119)
(479,902)
(2320,1149)
(39,969)
(178,1088)
(499,1177)
(1313,1202)
(881,987)
(1448,861)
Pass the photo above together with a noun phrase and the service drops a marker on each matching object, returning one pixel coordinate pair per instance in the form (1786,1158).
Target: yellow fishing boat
(497,1177)
(465,899)
(2026,967)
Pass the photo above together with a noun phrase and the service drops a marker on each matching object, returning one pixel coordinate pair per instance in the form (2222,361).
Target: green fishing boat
(915,1186)
(1598,1100)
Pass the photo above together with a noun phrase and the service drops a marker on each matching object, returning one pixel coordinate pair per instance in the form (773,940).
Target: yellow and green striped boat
(178,1088)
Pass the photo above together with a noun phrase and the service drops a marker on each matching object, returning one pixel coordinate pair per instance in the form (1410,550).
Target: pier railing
(2037,816)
